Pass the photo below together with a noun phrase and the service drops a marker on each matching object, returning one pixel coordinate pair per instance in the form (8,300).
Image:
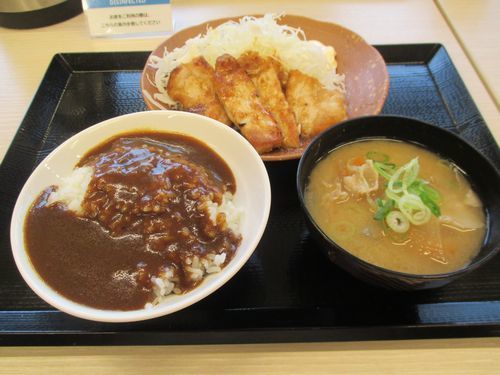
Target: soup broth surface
(444,244)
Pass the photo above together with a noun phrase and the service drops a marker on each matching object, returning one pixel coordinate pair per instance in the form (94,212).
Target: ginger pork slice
(315,107)
(264,73)
(192,85)
(238,95)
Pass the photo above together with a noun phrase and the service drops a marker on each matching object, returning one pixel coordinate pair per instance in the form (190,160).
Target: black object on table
(287,291)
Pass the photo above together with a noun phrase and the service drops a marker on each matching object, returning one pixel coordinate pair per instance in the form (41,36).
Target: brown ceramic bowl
(366,77)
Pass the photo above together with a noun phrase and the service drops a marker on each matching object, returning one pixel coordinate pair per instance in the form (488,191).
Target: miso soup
(398,206)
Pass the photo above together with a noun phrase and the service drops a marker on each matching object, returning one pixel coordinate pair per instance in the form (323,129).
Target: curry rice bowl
(71,193)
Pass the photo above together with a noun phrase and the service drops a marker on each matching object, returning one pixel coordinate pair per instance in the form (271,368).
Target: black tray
(287,291)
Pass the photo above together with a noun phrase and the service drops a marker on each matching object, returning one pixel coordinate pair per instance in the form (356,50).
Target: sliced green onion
(384,169)
(392,186)
(414,209)
(430,197)
(431,205)
(391,195)
(397,222)
(384,210)
(377,156)
(379,202)
(416,201)
(422,187)
(398,184)
(416,187)
(410,173)
(431,192)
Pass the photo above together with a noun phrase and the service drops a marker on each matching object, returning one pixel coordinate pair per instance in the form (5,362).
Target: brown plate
(366,77)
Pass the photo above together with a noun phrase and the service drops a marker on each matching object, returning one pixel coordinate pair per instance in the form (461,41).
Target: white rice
(72,190)
(233,213)
(200,267)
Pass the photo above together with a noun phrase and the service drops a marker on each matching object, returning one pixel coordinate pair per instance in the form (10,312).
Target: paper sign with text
(128,17)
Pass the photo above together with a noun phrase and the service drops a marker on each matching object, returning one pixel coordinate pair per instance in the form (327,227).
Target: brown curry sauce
(144,210)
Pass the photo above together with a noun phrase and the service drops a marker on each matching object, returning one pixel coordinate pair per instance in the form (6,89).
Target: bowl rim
(348,123)
(62,303)
(291,154)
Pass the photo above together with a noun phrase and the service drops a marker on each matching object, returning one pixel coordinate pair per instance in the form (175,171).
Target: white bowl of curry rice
(140,216)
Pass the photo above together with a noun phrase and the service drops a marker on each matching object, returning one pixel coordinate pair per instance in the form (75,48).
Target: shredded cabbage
(263,35)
